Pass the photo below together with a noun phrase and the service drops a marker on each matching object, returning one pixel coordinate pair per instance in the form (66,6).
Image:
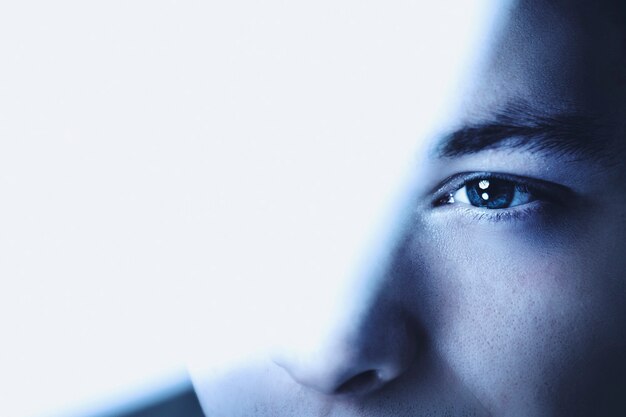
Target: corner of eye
(442,200)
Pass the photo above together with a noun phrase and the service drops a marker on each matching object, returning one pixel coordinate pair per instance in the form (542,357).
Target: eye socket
(493,193)
(499,197)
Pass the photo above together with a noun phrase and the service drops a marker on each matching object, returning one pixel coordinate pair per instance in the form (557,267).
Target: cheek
(511,318)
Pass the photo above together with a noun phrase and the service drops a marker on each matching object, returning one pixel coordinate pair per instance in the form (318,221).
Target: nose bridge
(369,337)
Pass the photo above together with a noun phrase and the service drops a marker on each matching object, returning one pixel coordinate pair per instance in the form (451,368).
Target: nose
(365,351)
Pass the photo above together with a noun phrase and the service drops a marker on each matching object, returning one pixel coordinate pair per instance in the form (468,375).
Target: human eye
(498,196)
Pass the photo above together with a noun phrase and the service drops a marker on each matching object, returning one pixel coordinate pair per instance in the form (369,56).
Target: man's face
(504,292)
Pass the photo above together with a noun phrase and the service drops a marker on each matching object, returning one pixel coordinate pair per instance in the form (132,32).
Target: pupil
(491,194)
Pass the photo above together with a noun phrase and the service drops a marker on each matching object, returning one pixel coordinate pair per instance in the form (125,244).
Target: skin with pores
(515,310)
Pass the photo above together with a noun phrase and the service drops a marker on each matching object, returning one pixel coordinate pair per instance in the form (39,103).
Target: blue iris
(491,194)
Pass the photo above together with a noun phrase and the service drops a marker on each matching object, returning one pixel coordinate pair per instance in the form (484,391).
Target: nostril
(360,384)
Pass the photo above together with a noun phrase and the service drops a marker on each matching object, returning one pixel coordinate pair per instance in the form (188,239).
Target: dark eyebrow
(519,126)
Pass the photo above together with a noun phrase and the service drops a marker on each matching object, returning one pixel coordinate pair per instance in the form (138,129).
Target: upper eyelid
(456,181)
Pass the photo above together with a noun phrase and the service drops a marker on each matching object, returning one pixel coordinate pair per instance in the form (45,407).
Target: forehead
(559,56)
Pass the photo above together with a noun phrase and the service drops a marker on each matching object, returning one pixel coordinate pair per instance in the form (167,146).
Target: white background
(166,167)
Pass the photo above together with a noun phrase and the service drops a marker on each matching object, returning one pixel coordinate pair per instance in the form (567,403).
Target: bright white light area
(103,197)
(198,176)
(319,112)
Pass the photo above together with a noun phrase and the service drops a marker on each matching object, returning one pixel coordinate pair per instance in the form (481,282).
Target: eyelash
(543,193)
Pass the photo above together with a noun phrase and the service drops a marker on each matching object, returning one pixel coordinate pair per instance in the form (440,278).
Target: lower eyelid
(475,215)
